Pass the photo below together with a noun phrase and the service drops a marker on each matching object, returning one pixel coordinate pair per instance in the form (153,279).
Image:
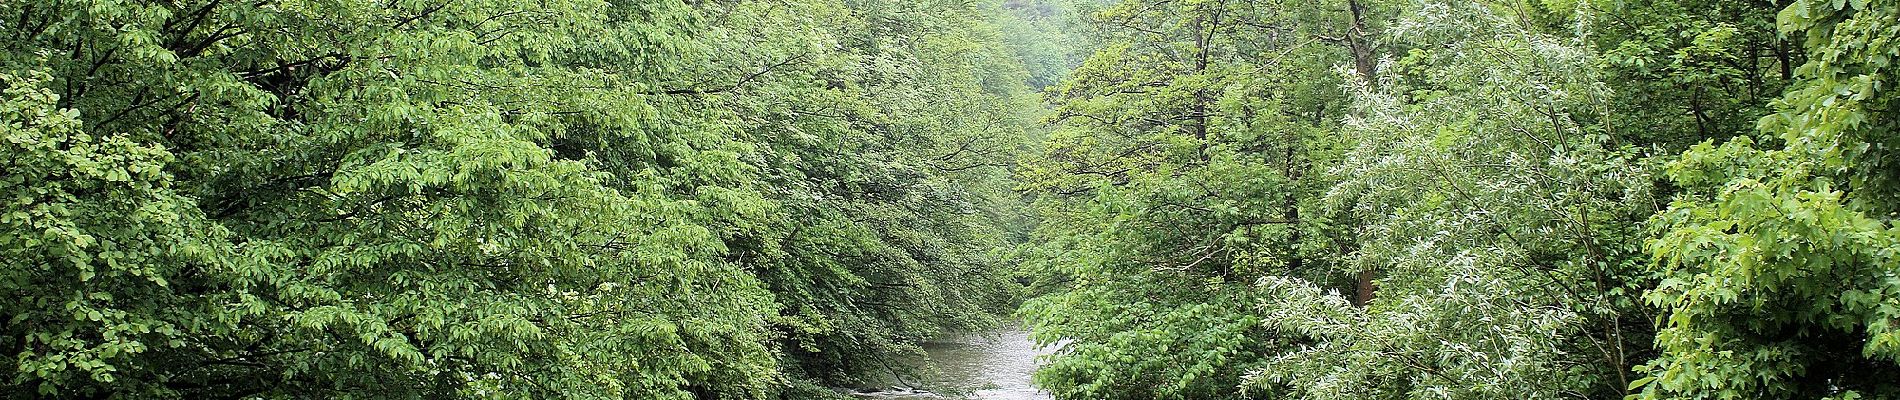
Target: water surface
(992,365)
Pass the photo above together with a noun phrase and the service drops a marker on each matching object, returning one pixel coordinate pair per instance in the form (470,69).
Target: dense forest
(785,199)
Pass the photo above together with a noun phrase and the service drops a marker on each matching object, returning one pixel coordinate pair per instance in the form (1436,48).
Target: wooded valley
(786,199)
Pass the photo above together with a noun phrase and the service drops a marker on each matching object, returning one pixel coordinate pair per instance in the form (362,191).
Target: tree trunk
(1363,288)
(1365,64)
(1364,60)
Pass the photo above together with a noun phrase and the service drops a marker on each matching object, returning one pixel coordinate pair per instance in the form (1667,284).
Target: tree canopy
(498,199)
(1561,199)
(747,199)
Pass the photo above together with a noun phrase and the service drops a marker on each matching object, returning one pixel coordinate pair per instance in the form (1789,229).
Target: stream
(992,365)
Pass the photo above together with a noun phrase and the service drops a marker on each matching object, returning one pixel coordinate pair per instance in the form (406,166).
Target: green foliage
(1485,216)
(883,142)
(1493,213)
(1047,35)
(492,199)
(663,199)
(1780,277)
(96,230)
(396,219)
(1177,173)
(1687,71)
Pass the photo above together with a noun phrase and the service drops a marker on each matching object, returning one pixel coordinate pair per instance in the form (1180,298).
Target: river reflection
(980,366)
